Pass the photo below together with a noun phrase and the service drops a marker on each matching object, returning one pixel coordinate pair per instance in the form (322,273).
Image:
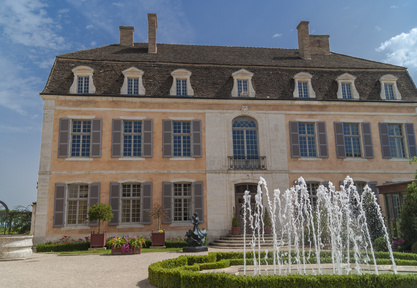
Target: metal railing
(242,163)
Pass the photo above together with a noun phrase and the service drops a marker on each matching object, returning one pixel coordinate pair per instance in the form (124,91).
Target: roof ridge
(372,61)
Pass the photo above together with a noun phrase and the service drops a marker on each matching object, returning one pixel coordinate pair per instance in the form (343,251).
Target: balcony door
(239,201)
(245,144)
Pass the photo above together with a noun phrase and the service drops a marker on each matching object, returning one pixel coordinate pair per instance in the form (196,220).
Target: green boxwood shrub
(414,248)
(71,246)
(175,244)
(380,244)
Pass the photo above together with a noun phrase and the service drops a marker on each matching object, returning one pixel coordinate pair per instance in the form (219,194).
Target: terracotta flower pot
(235,230)
(158,238)
(98,240)
(119,251)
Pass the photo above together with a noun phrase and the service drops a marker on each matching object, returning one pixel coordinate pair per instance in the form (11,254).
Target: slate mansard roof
(212,68)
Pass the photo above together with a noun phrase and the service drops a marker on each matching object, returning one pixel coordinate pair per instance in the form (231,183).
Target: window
(77,204)
(242,84)
(303,87)
(131,202)
(182,202)
(132,83)
(83,81)
(352,140)
(397,140)
(181,138)
(389,89)
(181,85)
(132,138)
(131,195)
(346,87)
(80,138)
(245,138)
(308,139)
(181,199)
(312,191)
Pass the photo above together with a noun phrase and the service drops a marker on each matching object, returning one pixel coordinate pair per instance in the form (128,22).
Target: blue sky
(33,32)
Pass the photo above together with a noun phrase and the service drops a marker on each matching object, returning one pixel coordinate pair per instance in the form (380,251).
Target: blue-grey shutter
(116,138)
(147,138)
(322,139)
(63,137)
(146,202)
(167,138)
(59,205)
(198,189)
(325,184)
(294,139)
(368,147)
(93,198)
(340,140)
(372,185)
(96,138)
(197,145)
(167,188)
(114,202)
(383,133)
(411,139)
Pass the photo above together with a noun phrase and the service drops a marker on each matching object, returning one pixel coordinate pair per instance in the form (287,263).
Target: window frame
(132,73)
(82,71)
(132,134)
(246,138)
(130,199)
(401,137)
(303,77)
(181,74)
(300,136)
(352,137)
(82,134)
(391,80)
(189,199)
(347,79)
(78,200)
(246,76)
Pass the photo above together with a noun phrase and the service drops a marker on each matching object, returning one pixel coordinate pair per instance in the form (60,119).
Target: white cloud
(118,4)
(26,22)
(401,49)
(277,35)
(377,28)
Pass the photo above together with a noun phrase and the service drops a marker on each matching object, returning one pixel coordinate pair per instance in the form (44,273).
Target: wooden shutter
(59,204)
(116,138)
(411,139)
(294,139)
(340,140)
(93,198)
(368,147)
(383,133)
(96,138)
(198,190)
(63,137)
(197,145)
(322,139)
(372,185)
(147,138)
(167,138)
(114,202)
(167,188)
(146,202)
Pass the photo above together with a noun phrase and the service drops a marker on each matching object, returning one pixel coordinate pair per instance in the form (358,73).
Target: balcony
(241,163)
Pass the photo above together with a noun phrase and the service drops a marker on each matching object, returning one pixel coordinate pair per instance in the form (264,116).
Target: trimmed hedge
(71,246)
(180,272)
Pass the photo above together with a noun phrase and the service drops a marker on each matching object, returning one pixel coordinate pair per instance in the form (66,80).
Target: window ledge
(355,159)
(78,159)
(399,159)
(127,158)
(78,227)
(180,224)
(136,225)
(181,158)
(309,159)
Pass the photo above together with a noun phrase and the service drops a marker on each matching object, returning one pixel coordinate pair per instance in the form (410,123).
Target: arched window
(245,138)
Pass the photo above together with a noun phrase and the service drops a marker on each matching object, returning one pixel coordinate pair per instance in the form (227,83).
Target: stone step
(237,242)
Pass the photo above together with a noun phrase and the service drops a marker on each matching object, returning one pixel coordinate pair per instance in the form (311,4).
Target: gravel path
(53,270)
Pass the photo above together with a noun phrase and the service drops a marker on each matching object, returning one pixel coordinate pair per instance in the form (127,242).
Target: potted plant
(159,213)
(126,245)
(267,223)
(235,226)
(101,212)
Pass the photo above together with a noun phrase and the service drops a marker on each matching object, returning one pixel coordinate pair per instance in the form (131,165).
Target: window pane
(132,138)
(245,138)
(352,140)
(307,139)
(396,140)
(302,89)
(389,92)
(77,204)
(131,197)
(182,138)
(242,88)
(182,202)
(346,91)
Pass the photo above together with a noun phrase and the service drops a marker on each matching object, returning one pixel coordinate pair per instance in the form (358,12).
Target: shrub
(64,244)
(101,212)
(175,244)
(380,244)
(408,223)
(414,248)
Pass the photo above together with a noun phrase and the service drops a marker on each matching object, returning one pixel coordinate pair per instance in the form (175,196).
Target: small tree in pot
(101,212)
(159,213)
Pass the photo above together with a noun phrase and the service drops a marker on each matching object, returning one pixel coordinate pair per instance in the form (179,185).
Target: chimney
(304,40)
(152,25)
(319,44)
(126,35)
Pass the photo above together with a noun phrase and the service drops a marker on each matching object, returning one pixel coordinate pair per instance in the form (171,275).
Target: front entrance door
(239,193)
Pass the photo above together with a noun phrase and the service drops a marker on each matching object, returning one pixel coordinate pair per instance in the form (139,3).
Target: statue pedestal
(195,249)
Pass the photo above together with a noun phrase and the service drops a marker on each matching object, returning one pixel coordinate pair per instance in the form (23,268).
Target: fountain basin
(15,247)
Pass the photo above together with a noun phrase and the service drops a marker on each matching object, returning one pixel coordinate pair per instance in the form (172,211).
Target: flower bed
(126,244)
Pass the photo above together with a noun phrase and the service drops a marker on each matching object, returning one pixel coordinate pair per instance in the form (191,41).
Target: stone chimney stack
(304,40)
(126,35)
(152,25)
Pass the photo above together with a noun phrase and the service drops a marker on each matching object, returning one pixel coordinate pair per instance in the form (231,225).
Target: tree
(408,223)
(158,212)
(100,212)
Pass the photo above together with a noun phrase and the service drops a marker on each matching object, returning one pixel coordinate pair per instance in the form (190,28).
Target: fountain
(303,229)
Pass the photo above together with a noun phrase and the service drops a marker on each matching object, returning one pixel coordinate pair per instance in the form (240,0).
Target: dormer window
(132,84)
(242,84)
(83,81)
(181,85)
(389,90)
(303,87)
(346,87)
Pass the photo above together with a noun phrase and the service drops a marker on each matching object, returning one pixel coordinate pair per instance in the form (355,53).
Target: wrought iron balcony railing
(242,163)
